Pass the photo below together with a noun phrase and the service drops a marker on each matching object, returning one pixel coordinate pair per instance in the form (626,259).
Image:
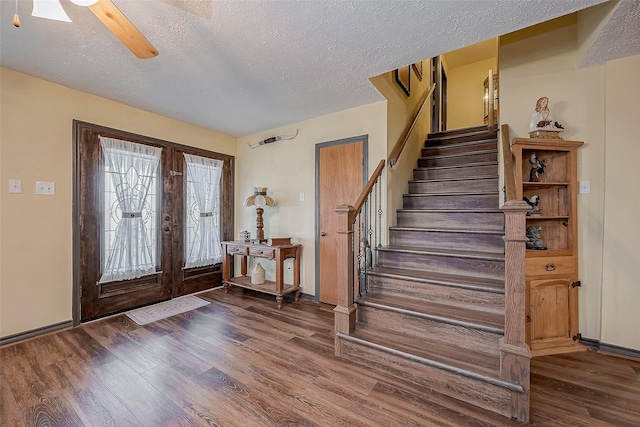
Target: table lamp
(259,198)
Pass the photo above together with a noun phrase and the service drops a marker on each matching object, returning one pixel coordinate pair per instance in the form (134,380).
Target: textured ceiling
(241,67)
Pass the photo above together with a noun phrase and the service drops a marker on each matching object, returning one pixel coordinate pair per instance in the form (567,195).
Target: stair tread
(460,144)
(448,210)
(449,230)
(474,318)
(464,154)
(492,256)
(466,165)
(460,357)
(455,193)
(445,279)
(458,133)
(465,178)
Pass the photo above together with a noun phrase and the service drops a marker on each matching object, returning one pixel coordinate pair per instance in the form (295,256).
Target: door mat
(165,309)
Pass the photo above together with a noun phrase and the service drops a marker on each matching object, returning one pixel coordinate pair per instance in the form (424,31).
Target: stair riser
(434,162)
(470,185)
(442,141)
(490,302)
(445,150)
(433,333)
(467,201)
(441,264)
(478,393)
(444,240)
(461,172)
(480,220)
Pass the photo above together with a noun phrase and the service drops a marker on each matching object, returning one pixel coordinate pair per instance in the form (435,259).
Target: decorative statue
(537,167)
(533,202)
(541,118)
(535,242)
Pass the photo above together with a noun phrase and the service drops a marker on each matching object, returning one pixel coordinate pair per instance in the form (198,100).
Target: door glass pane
(202,211)
(130,218)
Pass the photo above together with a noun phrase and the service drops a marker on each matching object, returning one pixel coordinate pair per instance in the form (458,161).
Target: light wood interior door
(340,181)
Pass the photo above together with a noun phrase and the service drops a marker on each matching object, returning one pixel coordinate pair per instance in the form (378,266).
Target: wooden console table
(279,253)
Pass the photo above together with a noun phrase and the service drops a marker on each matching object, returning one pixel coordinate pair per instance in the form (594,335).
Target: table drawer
(550,266)
(237,250)
(262,252)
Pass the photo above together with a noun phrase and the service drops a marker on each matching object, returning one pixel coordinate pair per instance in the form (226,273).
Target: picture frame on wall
(403,78)
(417,68)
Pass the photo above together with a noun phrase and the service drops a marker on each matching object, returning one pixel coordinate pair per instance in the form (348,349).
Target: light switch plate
(585,187)
(15,186)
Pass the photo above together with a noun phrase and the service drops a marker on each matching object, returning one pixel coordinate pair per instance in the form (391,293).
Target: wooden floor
(241,362)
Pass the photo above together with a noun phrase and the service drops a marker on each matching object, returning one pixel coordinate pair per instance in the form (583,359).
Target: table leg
(279,300)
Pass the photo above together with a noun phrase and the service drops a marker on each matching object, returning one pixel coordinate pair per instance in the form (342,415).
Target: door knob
(323,233)
(167,229)
(167,218)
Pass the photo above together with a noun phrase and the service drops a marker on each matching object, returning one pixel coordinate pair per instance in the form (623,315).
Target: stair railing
(515,353)
(361,223)
(404,137)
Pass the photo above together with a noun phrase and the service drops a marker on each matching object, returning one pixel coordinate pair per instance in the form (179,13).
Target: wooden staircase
(434,311)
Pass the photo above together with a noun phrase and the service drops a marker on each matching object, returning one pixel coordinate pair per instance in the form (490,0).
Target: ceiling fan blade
(114,20)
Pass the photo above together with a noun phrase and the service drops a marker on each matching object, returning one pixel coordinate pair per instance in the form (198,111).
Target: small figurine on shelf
(541,118)
(533,202)
(535,242)
(537,167)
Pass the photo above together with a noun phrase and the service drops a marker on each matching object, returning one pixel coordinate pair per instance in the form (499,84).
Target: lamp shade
(259,198)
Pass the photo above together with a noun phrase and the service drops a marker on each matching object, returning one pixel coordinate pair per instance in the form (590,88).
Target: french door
(145,226)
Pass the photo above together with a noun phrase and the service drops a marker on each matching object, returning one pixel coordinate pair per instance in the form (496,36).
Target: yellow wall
(36,231)
(465,93)
(287,168)
(542,62)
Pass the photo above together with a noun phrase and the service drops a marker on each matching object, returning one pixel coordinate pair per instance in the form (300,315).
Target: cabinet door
(553,312)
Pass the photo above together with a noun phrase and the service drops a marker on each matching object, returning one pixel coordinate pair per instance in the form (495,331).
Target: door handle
(167,229)
(323,233)
(167,218)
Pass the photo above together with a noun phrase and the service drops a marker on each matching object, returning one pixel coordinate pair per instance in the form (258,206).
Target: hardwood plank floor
(240,361)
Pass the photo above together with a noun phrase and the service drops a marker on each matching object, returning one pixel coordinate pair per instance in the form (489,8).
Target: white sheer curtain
(203,214)
(133,168)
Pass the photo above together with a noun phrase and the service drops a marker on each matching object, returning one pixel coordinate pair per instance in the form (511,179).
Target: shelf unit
(551,274)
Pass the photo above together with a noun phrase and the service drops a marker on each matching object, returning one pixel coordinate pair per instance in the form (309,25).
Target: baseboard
(610,348)
(35,332)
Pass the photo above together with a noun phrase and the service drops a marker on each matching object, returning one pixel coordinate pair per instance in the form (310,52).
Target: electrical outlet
(46,188)
(585,187)
(15,186)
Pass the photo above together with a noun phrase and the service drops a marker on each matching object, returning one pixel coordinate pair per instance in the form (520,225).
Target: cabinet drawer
(237,250)
(550,266)
(264,253)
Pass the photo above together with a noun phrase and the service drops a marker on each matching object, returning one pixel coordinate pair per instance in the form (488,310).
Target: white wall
(36,231)
(287,168)
(541,61)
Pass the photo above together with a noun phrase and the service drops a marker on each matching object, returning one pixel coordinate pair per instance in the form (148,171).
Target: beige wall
(400,110)
(287,168)
(465,93)
(542,62)
(621,266)
(36,231)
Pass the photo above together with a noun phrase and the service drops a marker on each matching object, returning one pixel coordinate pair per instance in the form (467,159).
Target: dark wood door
(94,298)
(340,181)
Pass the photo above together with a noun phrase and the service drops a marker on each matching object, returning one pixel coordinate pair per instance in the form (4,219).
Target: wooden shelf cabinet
(551,274)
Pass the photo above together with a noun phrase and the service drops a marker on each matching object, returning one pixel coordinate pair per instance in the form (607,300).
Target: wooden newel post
(515,356)
(345,311)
